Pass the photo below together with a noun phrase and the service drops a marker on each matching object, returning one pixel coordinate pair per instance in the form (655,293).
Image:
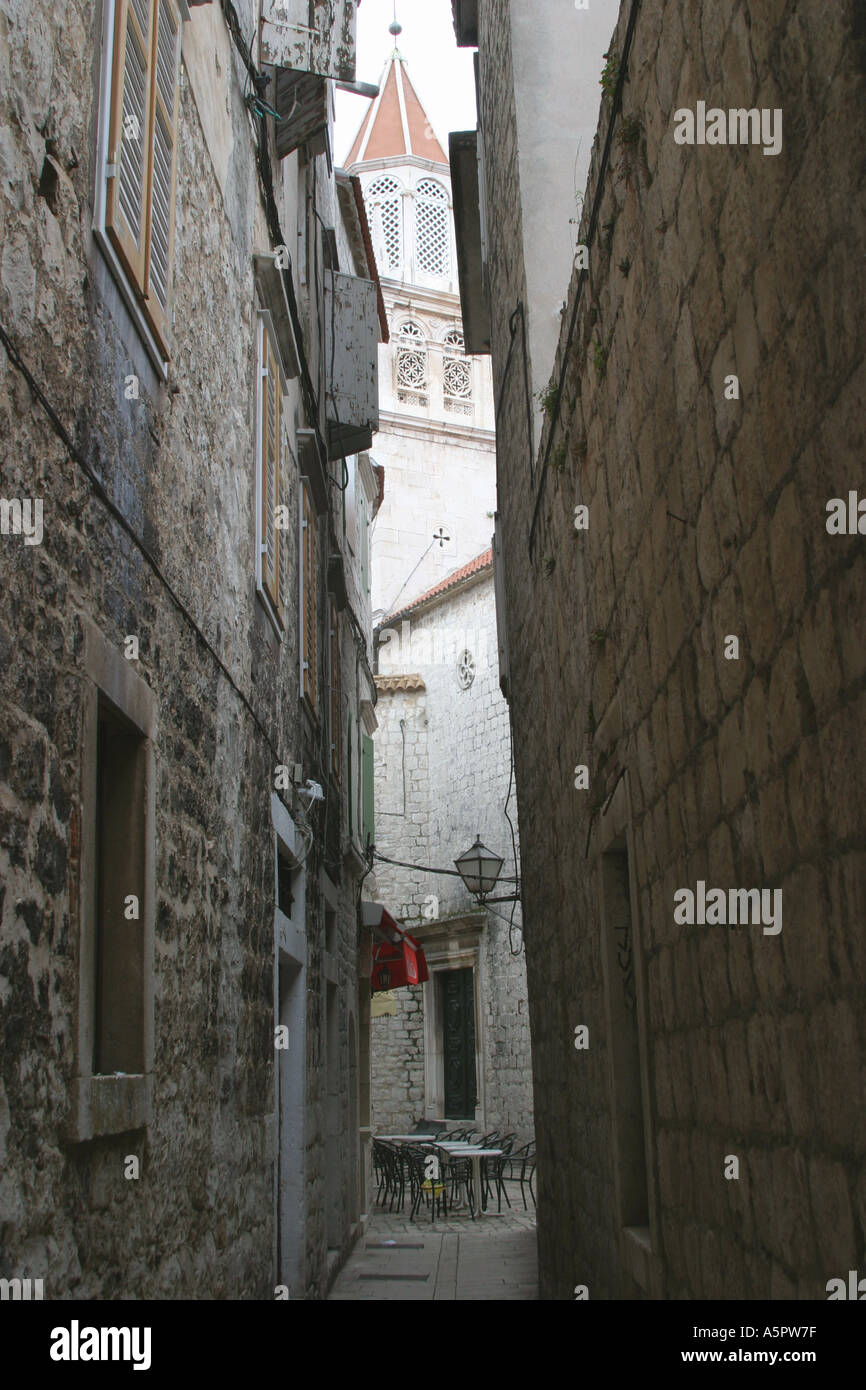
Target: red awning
(398,959)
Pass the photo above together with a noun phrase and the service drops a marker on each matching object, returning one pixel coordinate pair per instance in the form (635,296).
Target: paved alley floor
(398,1259)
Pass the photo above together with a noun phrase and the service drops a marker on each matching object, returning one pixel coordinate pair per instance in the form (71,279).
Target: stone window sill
(637,1256)
(111,1105)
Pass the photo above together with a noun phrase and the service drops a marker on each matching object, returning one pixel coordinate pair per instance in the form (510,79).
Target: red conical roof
(396,123)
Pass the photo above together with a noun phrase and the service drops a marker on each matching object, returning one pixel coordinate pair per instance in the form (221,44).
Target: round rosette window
(465,670)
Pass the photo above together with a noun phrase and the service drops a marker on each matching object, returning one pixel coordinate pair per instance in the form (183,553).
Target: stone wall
(179,464)
(706,519)
(452,754)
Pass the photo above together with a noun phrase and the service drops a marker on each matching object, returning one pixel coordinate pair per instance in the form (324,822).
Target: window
(364,542)
(336,696)
(432,251)
(120,804)
(457,375)
(308,597)
(350,779)
(385,203)
(139,169)
(412,384)
(367,828)
(117,890)
(273,478)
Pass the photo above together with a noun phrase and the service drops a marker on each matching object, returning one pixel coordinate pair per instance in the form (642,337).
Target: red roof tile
(476,566)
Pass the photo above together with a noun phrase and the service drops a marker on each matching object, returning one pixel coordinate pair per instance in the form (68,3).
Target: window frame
(277,605)
(335,702)
(308,614)
(105,1104)
(154,328)
(441,201)
(375,201)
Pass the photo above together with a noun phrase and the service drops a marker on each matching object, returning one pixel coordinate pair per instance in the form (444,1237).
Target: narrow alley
(432,672)
(407,1260)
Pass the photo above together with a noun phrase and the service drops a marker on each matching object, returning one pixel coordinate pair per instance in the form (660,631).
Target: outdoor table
(407,1138)
(463,1150)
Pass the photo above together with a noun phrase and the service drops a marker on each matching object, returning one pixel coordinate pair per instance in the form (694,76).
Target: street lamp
(479,868)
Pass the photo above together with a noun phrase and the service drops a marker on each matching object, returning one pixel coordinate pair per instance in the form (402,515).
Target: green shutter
(367,783)
(350,779)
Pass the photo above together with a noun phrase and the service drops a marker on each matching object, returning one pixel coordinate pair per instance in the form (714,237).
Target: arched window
(457,374)
(385,205)
(412,384)
(432,242)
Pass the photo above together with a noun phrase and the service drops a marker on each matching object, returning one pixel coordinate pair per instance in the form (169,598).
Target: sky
(440,71)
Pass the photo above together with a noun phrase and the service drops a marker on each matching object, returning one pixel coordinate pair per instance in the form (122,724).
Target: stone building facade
(442,751)
(185,652)
(686,656)
(443,778)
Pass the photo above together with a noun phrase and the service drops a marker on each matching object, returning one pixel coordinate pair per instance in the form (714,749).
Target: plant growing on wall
(548,399)
(609,73)
(599,358)
(630,131)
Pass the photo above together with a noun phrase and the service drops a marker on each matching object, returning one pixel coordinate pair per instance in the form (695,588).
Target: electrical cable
(391,611)
(513,848)
(118,516)
(428,868)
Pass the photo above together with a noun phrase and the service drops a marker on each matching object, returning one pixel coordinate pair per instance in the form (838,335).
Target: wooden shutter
(126,208)
(283,535)
(367,826)
(336,696)
(270,437)
(160,240)
(308,596)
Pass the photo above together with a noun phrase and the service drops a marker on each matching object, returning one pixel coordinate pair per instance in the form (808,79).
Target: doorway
(457,1013)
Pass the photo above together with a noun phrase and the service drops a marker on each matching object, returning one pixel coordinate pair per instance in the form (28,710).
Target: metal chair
(424,1188)
(459,1174)
(524,1160)
(496,1167)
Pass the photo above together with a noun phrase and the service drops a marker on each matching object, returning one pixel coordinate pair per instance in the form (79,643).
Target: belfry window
(432,249)
(457,374)
(412,373)
(385,204)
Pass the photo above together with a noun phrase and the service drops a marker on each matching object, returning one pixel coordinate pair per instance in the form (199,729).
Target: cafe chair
(424,1189)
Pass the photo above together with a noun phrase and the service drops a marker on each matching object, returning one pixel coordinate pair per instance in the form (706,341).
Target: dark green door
(458,1031)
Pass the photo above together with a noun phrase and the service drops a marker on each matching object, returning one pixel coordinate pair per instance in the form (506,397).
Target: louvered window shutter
(309,599)
(129,135)
(283,535)
(335,702)
(162,165)
(271,403)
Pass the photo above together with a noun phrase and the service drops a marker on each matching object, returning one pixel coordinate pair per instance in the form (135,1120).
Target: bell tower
(436,437)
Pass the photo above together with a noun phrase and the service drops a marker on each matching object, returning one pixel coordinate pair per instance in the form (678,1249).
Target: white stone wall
(434,480)
(441,780)
(438,453)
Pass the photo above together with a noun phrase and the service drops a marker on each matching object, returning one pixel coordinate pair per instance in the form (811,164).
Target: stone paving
(456,1258)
